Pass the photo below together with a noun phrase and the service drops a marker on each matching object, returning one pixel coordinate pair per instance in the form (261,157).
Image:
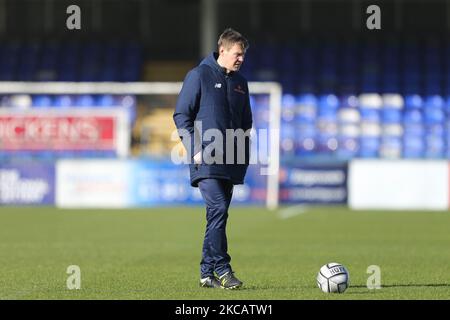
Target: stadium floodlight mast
(272,89)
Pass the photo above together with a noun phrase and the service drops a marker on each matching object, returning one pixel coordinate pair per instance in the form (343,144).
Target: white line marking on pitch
(292,211)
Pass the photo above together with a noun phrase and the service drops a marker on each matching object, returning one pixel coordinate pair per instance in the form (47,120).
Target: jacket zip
(227,83)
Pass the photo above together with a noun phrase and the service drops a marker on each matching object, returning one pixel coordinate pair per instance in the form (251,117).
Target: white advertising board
(92,184)
(398,184)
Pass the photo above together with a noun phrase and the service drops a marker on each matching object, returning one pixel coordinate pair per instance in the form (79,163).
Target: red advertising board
(61,131)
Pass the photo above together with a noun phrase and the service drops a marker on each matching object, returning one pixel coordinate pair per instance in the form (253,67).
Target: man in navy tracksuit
(214,99)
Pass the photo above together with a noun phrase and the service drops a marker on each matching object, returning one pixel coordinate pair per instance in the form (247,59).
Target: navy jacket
(220,101)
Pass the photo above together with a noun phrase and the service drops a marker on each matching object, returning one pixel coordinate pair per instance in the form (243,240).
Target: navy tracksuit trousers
(217,195)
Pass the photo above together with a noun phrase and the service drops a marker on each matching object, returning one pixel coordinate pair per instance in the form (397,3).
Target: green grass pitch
(155,253)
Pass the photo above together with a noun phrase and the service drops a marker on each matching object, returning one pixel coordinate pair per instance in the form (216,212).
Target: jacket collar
(211,60)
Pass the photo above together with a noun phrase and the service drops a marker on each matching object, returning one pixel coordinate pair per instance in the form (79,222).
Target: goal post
(272,89)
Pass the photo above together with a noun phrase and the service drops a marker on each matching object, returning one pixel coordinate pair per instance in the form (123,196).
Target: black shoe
(229,281)
(209,282)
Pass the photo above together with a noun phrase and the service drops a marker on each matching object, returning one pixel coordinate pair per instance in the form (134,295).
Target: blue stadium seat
(288,131)
(447,106)
(369,147)
(326,143)
(63,101)
(413,101)
(391,115)
(5,101)
(105,100)
(434,116)
(413,146)
(413,129)
(127,101)
(305,144)
(434,146)
(412,116)
(370,115)
(288,108)
(129,104)
(306,109)
(391,146)
(328,102)
(392,120)
(348,138)
(42,101)
(327,119)
(348,147)
(436,129)
(434,101)
(287,138)
(85,100)
(348,101)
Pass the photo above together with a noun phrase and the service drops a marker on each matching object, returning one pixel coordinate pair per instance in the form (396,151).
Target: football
(333,278)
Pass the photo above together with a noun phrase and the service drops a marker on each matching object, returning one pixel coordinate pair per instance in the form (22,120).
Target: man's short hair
(230,37)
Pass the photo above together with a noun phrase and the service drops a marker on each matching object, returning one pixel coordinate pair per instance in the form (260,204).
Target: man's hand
(198,158)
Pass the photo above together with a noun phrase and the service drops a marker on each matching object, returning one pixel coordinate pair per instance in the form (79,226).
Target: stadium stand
(343,98)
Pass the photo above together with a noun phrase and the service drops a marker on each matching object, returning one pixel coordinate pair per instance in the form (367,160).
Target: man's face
(233,57)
